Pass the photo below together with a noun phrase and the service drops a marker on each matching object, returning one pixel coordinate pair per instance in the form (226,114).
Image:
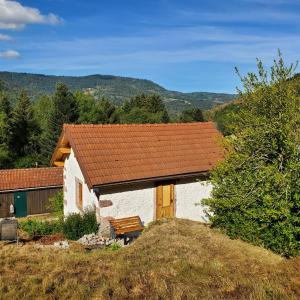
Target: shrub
(89,222)
(36,227)
(256,188)
(114,247)
(56,203)
(76,225)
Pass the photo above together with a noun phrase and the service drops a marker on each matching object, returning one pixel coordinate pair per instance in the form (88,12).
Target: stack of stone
(95,240)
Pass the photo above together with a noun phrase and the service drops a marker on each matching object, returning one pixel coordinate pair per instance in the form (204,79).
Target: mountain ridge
(115,88)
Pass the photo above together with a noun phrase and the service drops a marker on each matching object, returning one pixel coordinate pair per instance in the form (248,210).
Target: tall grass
(171,260)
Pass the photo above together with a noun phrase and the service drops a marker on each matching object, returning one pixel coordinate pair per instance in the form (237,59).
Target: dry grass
(40,217)
(172,260)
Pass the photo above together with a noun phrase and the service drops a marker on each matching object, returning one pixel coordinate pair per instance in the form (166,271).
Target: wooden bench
(126,227)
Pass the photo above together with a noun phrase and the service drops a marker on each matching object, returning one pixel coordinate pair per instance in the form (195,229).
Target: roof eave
(64,138)
(30,188)
(58,145)
(151,179)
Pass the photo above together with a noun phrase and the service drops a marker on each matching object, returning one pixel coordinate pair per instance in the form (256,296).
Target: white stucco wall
(128,201)
(141,200)
(71,172)
(188,193)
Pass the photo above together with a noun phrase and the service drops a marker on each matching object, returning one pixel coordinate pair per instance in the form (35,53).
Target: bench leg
(128,239)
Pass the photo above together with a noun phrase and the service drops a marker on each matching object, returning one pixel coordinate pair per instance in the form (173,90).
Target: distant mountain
(116,88)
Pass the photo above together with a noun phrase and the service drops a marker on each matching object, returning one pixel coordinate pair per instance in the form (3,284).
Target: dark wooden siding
(37,201)
(5,202)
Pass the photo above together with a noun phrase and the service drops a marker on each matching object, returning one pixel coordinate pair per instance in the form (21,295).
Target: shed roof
(22,179)
(121,153)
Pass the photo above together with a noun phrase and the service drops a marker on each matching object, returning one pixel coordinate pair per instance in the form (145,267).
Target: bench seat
(124,226)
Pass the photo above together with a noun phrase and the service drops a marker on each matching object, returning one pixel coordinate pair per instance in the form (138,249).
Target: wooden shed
(28,190)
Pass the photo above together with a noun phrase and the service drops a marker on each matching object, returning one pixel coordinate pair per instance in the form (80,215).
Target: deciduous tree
(256,194)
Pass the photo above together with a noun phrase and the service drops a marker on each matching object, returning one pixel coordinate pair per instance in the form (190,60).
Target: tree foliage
(56,204)
(29,132)
(224,116)
(93,111)
(192,115)
(256,188)
(5,130)
(63,110)
(24,127)
(144,109)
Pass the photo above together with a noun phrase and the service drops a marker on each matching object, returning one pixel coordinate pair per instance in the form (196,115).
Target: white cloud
(13,15)
(4,37)
(173,46)
(9,54)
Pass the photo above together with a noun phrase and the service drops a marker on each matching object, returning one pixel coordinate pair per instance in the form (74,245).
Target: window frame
(79,193)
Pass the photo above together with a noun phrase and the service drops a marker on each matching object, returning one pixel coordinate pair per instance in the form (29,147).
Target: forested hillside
(115,88)
(29,130)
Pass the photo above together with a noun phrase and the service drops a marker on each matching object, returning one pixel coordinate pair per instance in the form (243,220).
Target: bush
(36,227)
(76,225)
(256,193)
(56,203)
(114,247)
(89,222)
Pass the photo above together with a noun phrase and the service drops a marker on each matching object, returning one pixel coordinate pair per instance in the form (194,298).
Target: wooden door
(20,203)
(165,201)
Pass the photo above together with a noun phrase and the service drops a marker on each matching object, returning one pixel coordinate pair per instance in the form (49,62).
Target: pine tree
(5,106)
(64,110)
(5,130)
(24,127)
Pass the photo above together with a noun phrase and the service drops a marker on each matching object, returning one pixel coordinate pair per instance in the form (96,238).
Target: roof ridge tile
(140,125)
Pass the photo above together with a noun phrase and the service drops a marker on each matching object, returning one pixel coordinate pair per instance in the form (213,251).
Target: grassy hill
(177,259)
(116,88)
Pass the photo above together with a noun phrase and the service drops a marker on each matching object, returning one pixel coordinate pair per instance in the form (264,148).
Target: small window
(79,194)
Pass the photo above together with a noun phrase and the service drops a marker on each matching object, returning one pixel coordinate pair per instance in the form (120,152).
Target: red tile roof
(19,179)
(121,153)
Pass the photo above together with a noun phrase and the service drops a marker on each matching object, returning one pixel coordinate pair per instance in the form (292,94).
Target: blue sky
(183,45)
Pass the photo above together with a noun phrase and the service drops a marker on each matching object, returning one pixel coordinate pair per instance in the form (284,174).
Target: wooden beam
(64,150)
(59,163)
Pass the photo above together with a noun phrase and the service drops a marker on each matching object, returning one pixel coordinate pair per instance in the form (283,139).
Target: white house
(149,170)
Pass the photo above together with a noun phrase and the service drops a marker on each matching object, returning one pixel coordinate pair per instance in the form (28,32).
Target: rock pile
(94,240)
